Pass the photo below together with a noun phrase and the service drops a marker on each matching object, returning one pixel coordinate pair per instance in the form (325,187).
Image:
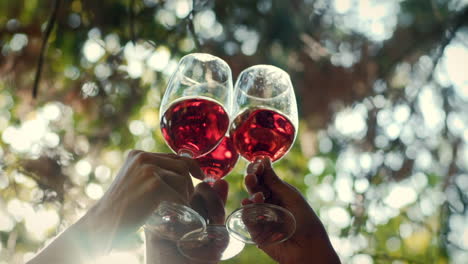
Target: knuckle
(183,170)
(193,163)
(203,187)
(190,188)
(189,183)
(149,171)
(141,157)
(182,164)
(187,162)
(133,152)
(171,155)
(156,182)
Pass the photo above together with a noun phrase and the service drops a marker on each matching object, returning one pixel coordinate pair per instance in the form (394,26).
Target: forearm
(69,247)
(317,249)
(320,254)
(83,241)
(162,251)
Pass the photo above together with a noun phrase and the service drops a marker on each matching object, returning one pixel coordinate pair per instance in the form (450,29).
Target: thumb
(221,187)
(281,191)
(269,178)
(262,178)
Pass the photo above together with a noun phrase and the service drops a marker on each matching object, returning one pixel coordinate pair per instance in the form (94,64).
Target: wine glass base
(172,221)
(185,153)
(261,224)
(210,181)
(210,245)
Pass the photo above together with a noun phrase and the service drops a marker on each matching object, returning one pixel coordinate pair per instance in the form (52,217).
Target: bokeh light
(382,152)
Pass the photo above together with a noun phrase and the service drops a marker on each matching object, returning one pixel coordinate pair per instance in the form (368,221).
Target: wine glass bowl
(199,74)
(172,221)
(195,108)
(266,113)
(265,86)
(260,132)
(194,126)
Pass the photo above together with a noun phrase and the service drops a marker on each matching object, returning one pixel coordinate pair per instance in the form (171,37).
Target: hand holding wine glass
(144,181)
(264,128)
(310,241)
(194,117)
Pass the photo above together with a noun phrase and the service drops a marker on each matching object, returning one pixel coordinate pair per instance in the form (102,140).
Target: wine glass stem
(210,180)
(262,157)
(185,153)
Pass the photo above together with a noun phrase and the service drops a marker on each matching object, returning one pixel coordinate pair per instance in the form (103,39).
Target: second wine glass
(265,127)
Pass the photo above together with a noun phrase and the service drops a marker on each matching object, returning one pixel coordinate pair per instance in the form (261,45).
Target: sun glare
(118,258)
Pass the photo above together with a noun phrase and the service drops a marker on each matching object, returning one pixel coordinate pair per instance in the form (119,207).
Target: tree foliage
(382,90)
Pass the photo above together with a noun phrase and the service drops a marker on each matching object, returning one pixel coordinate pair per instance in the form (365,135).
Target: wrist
(94,233)
(319,251)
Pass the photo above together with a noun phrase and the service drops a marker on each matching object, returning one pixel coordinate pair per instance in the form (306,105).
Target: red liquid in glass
(219,161)
(262,132)
(194,126)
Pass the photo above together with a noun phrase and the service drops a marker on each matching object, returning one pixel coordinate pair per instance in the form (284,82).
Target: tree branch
(398,50)
(191,26)
(132,21)
(459,21)
(40,63)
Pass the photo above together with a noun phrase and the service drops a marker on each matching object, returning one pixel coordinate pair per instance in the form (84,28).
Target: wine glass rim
(274,206)
(290,85)
(205,57)
(227,83)
(182,208)
(262,98)
(265,66)
(208,227)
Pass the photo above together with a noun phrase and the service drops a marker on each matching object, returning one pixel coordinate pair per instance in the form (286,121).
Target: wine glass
(213,243)
(195,108)
(194,116)
(265,127)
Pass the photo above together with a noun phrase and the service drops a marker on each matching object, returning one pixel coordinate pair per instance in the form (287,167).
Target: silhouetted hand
(310,242)
(144,181)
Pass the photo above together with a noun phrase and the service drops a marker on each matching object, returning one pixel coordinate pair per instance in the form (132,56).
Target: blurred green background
(382,88)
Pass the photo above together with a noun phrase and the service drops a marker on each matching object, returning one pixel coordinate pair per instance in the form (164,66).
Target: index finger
(171,162)
(193,167)
(255,167)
